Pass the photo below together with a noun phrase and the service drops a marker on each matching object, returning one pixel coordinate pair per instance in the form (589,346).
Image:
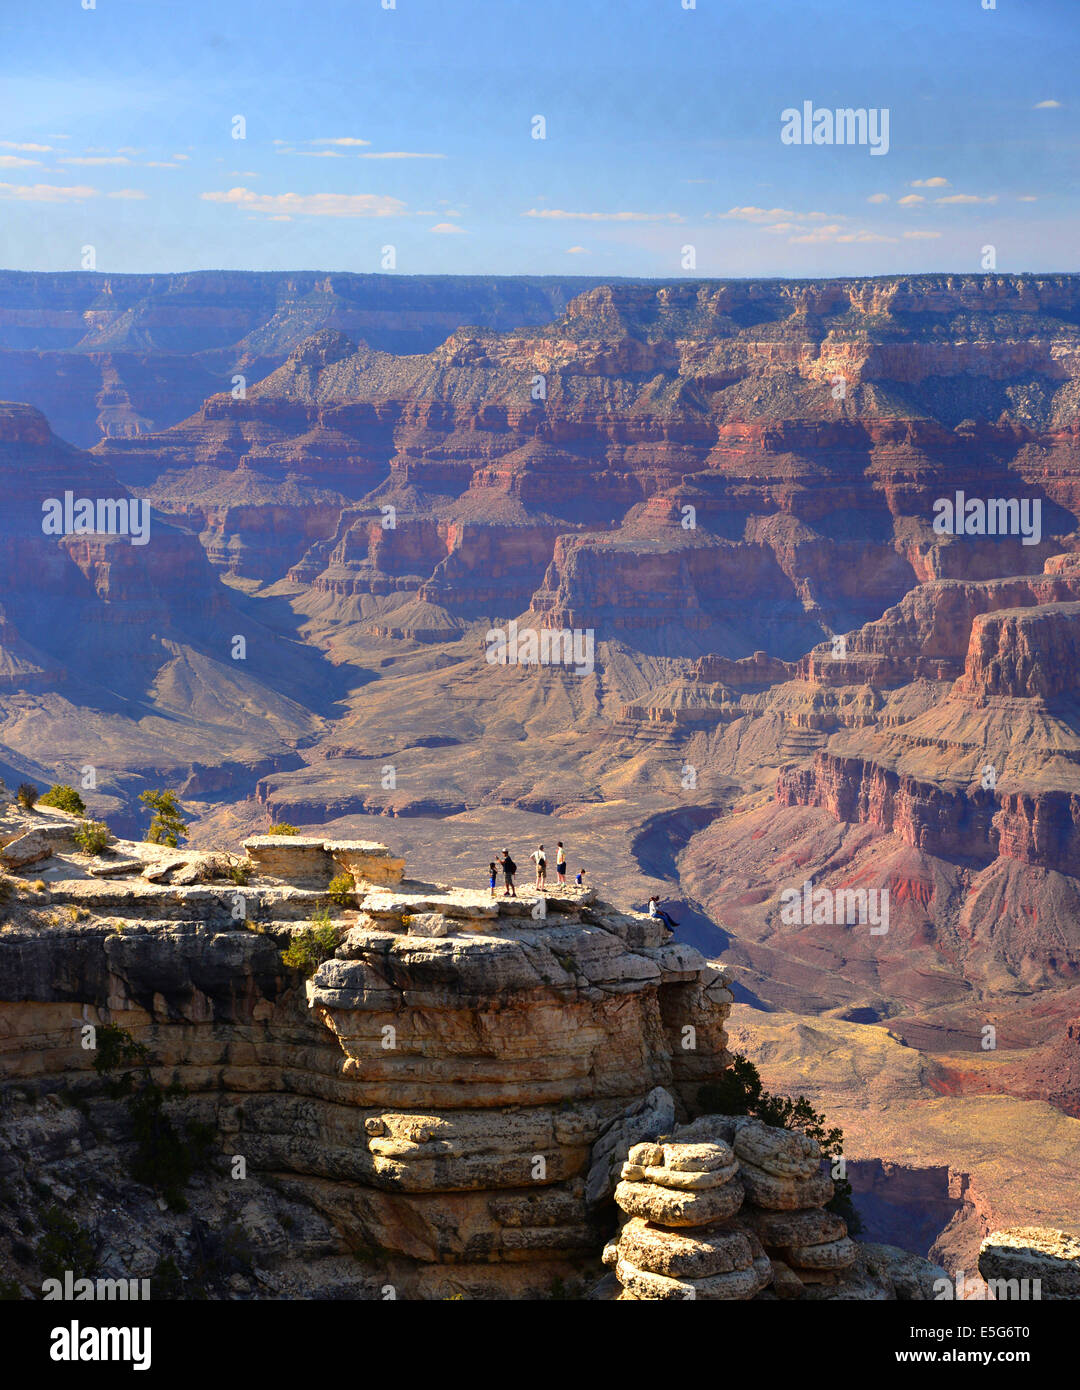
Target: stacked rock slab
(680,1241)
(786,1193)
(723,1209)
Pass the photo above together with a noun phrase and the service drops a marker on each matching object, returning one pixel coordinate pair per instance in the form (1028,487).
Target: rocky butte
(450,1105)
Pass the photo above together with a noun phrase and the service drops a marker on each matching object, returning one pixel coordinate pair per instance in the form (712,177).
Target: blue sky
(412,127)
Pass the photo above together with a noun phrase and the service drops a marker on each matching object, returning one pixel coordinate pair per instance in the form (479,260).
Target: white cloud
(1027,198)
(26,148)
(94,159)
(181,156)
(966,198)
(14,161)
(126,193)
(160,164)
(398,154)
(910,200)
(1050,105)
(761,215)
(878,198)
(921,235)
(558,214)
(315,154)
(576,251)
(936,182)
(444,227)
(46,192)
(337,140)
(311,204)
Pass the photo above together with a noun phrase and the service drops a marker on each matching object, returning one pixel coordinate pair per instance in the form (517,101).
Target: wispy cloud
(397,154)
(559,214)
(966,198)
(94,159)
(47,192)
(310,204)
(763,215)
(1049,105)
(576,251)
(936,182)
(910,200)
(16,161)
(921,235)
(444,227)
(25,147)
(878,198)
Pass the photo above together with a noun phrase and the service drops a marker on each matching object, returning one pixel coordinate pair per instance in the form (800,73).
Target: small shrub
(168,826)
(64,798)
(341,889)
(166,1282)
(739,1092)
(39,885)
(240,873)
(310,947)
(92,836)
(283,828)
(65,1245)
(27,795)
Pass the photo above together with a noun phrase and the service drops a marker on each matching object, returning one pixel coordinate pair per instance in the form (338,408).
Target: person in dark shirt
(509,869)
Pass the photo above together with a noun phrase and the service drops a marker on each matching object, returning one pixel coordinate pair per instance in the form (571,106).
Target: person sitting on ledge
(655,910)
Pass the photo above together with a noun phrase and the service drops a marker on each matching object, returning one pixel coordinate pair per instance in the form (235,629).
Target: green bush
(27,795)
(739,1092)
(64,798)
(164,1159)
(342,889)
(283,828)
(310,947)
(168,826)
(65,1245)
(240,873)
(92,836)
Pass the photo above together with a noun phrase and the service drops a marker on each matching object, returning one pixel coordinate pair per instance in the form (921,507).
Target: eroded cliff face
(429,1103)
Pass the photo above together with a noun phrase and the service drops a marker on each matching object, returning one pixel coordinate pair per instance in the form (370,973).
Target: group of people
(539,858)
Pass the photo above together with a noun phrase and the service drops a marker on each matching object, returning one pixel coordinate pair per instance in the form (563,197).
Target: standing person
(560,862)
(655,910)
(540,860)
(491,877)
(509,869)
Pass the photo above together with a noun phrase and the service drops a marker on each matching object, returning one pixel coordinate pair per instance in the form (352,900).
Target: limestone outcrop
(446,1095)
(1031,1263)
(728,1207)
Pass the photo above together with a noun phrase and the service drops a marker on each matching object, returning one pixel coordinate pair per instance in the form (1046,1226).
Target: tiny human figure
(655,910)
(540,859)
(580,877)
(509,869)
(560,862)
(491,877)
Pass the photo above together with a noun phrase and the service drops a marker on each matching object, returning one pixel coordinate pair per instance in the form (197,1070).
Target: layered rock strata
(435,1096)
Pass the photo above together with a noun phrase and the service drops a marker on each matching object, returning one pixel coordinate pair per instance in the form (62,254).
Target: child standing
(491,877)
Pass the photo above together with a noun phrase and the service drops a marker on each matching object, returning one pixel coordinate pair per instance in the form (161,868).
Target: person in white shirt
(539,858)
(655,910)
